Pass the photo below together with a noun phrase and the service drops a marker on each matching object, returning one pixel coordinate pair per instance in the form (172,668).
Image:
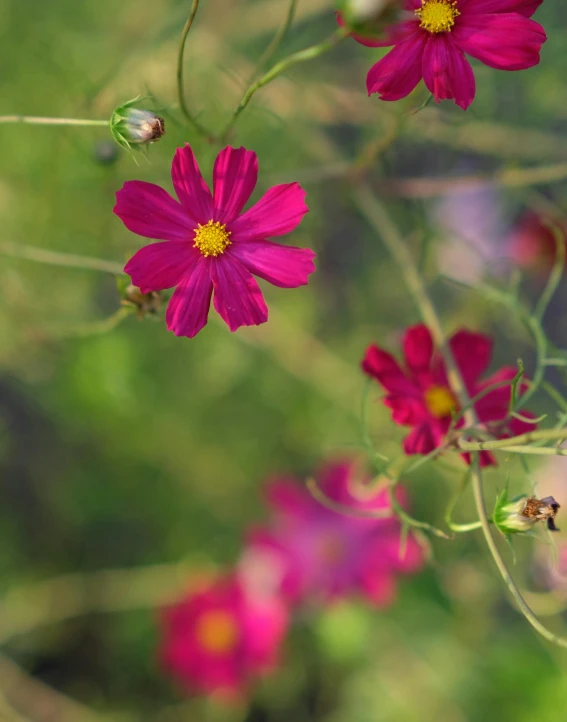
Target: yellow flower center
(437,16)
(212,238)
(440,401)
(217,632)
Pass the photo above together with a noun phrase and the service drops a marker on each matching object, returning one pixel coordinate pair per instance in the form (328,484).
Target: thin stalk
(303,55)
(55,258)
(527,438)
(380,220)
(277,40)
(180,90)
(37,120)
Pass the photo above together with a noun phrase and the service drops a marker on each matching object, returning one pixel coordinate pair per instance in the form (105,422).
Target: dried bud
(522,513)
(134,127)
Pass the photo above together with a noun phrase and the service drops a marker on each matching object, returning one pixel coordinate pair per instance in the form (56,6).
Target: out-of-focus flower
(132,126)
(470,223)
(523,512)
(432,43)
(317,554)
(367,20)
(210,244)
(419,394)
(218,639)
(531,243)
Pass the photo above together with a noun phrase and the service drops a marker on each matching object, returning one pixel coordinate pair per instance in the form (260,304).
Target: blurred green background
(131,451)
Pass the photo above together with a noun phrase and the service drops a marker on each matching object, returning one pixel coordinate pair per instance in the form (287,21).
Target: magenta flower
(210,244)
(219,638)
(531,242)
(419,394)
(317,554)
(433,43)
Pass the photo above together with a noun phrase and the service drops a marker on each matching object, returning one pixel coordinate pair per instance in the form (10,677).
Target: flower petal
(278,212)
(483,7)
(161,265)
(385,369)
(418,348)
(283,266)
(190,187)
(406,411)
(503,41)
(238,298)
(446,71)
(148,210)
(188,308)
(472,352)
(397,74)
(420,440)
(234,178)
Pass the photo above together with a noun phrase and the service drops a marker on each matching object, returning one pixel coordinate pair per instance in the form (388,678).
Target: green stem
(55,258)
(303,55)
(527,438)
(277,40)
(380,220)
(36,120)
(180,91)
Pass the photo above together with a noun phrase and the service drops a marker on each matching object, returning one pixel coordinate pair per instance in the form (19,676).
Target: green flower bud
(369,18)
(135,127)
(523,512)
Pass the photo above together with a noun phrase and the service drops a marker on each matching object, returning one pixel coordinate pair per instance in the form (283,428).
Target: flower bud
(133,126)
(523,512)
(369,18)
(144,303)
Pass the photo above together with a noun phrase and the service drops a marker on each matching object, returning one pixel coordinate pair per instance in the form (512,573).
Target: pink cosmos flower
(433,43)
(531,243)
(210,244)
(419,394)
(219,638)
(317,554)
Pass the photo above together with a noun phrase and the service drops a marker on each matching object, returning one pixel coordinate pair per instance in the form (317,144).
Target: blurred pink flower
(219,638)
(432,45)
(419,394)
(211,244)
(531,243)
(317,554)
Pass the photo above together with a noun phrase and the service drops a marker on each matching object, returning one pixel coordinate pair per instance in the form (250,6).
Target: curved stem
(308,54)
(277,40)
(180,92)
(380,220)
(37,120)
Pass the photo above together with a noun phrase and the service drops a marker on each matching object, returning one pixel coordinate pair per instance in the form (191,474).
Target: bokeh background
(130,458)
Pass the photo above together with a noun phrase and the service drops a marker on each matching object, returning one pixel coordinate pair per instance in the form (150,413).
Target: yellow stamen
(440,401)
(437,16)
(212,238)
(217,632)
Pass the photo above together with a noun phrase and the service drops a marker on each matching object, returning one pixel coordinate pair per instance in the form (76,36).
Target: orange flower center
(217,632)
(440,401)
(437,16)
(212,238)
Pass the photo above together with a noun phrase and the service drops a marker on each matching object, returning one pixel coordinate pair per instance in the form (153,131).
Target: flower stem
(381,221)
(277,40)
(37,120)
(180,92)
(303,55)
(527,438)
(55,258)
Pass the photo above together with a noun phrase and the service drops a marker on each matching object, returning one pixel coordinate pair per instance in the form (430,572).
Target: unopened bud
(370,17)
(135,127)
(522,513)
(144,303)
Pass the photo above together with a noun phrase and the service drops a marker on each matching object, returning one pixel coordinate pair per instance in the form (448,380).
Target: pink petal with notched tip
(446,71)
(237,297)
(418,348)
(482,7)
(420,440)
(472,352)
(278,212)
(148,210)
(188,308)
(397,74)
(383,367)
(234,178)
(502,41)
(283,266)
(161,265)
(191,189)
